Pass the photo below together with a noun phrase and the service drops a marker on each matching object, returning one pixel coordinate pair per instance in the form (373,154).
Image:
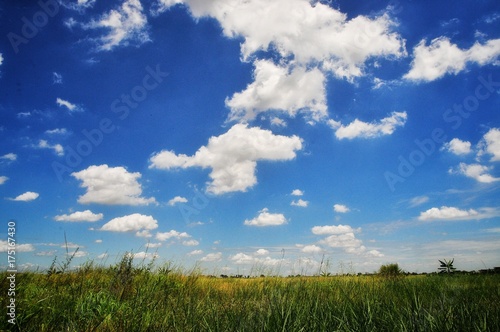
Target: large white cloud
(307,32)
(342,236)
(124,25)
(141,224)
(173,234)
(361,129)
(280,88)
(111,186)
(441,57)
(78,216)
(267,219)
(233,157)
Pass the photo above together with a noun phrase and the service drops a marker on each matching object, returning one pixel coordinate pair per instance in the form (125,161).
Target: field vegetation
(124,297)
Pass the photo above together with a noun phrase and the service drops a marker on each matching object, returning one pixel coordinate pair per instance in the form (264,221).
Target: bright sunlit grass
(128,298)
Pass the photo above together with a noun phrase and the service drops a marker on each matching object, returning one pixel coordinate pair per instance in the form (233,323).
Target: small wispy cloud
(68,105)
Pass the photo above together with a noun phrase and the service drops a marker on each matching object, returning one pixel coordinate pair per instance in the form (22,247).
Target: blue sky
(248,137)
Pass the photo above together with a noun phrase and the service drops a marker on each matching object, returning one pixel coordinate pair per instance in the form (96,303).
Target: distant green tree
(446,266)
(390,270)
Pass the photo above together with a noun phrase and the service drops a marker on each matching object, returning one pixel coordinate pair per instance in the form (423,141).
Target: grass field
(128,298)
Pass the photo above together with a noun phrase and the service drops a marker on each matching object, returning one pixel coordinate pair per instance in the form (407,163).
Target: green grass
(128,298)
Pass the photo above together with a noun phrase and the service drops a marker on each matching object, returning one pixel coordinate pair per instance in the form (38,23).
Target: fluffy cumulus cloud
(300,203)
(265,218)
(26,197)
(212,257)
(310,40)
(305,31)
(176,200)
(477,172)
(458,147)
(233,157)
(311,249)
(111,186)
(297,192)
(173,234)
(491,143)
(4,247)
(245,259)
(43,144)
(280,88)
(360,129)
(141,224)
(448,213)
(80,216)
(9,157)
(442,57)
(125,25)
(342,236)
(341,208)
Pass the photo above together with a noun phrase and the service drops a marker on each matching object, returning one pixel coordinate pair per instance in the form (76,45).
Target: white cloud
(3,179)
(102,256)
(111,186)
(340,208)
(267,219)
(262,252)
(78,216)
(300,203)
(374,253)
(458,147)
(80,5)
(153,245)
(9,157)
(233,157)
(4,247)
(26,197)
(173,234)
(241,258)
(280,88)
(361,129)
(325,230)
(57,131)
(143,255)
(195,252)
(447,213)
(212,257)
(453,213)
(141,224)
(70,106)
(190,243)
(43,144)
(177,199)
(311,249)
(418,200)
(442,57)
(1,59)
(491,141)
(297,192)
(476,171)
(98,241)
(126,25)
(306,32)
(346,241)
(57,78)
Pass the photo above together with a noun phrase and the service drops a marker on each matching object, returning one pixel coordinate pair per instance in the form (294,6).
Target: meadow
(125,297)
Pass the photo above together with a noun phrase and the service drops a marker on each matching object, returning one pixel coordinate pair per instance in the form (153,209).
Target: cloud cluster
(342,236)
(111,186)
(233,157)
(452,213)
(458,147)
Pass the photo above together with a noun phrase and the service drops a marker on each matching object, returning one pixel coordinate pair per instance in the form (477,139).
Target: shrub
(390,270)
